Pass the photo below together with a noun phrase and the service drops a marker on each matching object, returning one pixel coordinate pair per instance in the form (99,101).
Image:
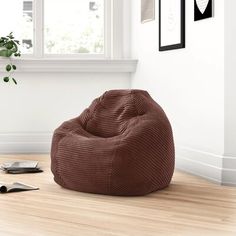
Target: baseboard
(11,143)
(199,163)
(216,168)
(229,171)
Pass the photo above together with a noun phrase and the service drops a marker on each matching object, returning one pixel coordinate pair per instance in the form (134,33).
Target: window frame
(117,57)
(38,34)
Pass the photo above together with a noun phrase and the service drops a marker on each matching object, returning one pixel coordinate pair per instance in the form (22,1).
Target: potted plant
(8,49)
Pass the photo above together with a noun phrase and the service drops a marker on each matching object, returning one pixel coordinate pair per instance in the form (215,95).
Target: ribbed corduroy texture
(121,145)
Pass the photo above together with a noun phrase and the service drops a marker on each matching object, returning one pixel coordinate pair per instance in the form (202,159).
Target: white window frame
(112,35)
(117,43)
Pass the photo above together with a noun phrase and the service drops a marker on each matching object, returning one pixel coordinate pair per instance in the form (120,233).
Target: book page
(15,187)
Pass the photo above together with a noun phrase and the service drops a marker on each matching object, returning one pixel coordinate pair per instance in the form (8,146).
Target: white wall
(230,75)
(189,85)
(30,111)
(229,162)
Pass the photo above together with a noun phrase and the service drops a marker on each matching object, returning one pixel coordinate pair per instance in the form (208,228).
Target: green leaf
(8,68)
(10,36)
(14,67)
(17,54)
(6,79)
(14,80)
(9,45)
(5,53)
(14,47)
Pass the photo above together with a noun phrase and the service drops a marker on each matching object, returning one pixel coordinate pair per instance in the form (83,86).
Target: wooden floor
(190,206)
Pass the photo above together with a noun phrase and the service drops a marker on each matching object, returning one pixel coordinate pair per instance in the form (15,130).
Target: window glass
(73,26)
(17,17)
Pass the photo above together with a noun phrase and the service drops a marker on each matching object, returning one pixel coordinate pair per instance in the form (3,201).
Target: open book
(16,187)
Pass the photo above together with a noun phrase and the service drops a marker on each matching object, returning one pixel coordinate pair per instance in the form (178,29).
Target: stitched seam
(93,113)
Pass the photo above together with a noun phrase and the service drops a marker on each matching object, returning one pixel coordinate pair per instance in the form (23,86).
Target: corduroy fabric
(121,145)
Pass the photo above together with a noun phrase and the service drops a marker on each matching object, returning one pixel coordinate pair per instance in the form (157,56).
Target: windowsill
(72,65)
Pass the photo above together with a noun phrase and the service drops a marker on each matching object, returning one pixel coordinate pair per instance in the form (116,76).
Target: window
(53,28)
(20,21)
(76,26)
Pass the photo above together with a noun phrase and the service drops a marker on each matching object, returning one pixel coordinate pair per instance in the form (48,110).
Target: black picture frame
(173,45)
(208,13)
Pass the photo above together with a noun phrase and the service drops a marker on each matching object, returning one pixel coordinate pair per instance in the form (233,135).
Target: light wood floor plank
(190,206)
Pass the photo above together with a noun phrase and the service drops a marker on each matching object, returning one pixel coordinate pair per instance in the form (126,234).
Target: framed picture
(171,24)
(203,9)
(147,10)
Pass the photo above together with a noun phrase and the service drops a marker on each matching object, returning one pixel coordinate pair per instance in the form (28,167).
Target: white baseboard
(216,168)
(11,143)
(229,171)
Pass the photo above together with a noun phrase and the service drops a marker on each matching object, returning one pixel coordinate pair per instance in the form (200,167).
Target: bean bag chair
(121,145)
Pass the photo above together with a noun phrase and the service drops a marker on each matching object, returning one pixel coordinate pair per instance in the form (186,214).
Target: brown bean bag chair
(121,145)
